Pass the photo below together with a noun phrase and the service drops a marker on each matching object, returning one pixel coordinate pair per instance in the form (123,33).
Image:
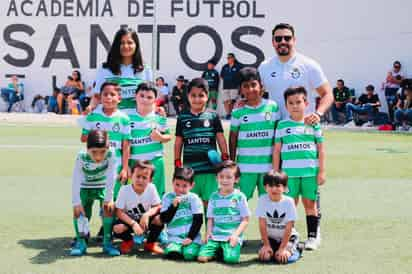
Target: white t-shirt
(135,205)
(298,71)
(394,75)
(277,215)
(125,71)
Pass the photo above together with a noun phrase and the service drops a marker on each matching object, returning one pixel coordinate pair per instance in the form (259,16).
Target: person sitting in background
(403,111)
(211,75)
(179,95)
(392,85)
(14,92)
(342,96)
(52,101)
(163,92)
(368,103)
(70,91)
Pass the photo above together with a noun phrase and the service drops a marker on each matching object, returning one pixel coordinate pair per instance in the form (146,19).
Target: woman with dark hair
(124,66)
(71,90)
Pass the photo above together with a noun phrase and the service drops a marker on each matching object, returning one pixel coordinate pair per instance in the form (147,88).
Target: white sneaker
(350,124)
(311,243)
(368,124)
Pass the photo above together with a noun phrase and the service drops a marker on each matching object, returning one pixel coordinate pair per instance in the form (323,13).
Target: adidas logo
(275,218)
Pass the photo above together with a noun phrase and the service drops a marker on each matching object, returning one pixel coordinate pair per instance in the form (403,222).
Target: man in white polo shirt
(291,69)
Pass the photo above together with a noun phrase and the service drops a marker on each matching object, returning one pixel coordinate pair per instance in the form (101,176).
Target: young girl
(197,132)
(93,178)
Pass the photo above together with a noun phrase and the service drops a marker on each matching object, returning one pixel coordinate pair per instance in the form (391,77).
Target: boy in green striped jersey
(227,217)
(149,131)
(252,130)
(93,177)
(107,117)
(197,132)
(182,211)
(300,153)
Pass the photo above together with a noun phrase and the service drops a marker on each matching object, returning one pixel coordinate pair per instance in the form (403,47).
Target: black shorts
(292,244)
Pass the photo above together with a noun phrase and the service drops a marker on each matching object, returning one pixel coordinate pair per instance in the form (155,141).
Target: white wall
(353,40)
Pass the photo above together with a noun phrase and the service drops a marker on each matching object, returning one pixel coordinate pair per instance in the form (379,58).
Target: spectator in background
(70,91)
(52,101)
(179,95)
(403,112)
(163,92)
(342,96)
(211,75)
(230,76)
(392,85)
(368,103)
(14,92)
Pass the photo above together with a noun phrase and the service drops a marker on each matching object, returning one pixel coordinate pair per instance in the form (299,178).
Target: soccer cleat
(311,243)
(350,124)
(163,238)
(153,248)
(126,247)
(78,249)
(110,250)
(138,239)
(368,124)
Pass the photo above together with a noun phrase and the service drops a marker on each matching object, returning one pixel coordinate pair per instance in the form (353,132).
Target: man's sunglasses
(279,39)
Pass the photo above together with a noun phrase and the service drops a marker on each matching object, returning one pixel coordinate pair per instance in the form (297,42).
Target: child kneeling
(182,211)
(136,208)
(277,215)
(228,216)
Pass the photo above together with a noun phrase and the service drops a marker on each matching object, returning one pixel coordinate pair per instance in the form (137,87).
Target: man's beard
(283,51)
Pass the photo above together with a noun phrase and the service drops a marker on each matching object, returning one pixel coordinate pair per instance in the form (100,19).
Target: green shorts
(188,252)
(159,175)
(249,181)
(212,100)
(205,185)
(306,187)
(231,254)
(88,196)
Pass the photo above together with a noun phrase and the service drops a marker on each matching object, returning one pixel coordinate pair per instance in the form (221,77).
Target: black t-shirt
(364,99)
(212,78)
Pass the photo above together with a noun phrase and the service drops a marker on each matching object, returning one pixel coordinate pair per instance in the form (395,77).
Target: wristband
(225,156)
(319,114)
(178,163)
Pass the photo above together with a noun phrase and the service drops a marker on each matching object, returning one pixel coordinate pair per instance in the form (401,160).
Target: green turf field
(366,204)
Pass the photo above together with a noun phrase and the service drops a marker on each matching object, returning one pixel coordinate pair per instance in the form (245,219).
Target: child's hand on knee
(137,229)
(233,240)
(108,208)
(282,255)
(265,253)
(187,241)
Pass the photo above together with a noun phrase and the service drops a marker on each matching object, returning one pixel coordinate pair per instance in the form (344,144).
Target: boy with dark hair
(182,211)
(136,208)
(197,132)
(300,153)
(277,216)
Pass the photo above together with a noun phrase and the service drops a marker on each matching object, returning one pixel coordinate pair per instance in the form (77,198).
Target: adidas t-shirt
(179,227)
(199,136)
(277,215)
(256,130)
(299,152)
(227,213)
(142,147)
(134,204)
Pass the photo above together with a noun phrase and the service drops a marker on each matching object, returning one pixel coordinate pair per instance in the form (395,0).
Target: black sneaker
(99,236)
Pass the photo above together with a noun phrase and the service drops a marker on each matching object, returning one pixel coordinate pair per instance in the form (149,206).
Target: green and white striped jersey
(128,86)
(117,126)
(299,152)
(227,213)
(89,174)
(179,227)
(256,130)
(142,147)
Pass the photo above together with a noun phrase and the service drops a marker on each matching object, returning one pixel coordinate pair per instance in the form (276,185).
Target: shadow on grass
(51,250)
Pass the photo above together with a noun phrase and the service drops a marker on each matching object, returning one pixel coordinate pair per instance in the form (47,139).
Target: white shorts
(229,94)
